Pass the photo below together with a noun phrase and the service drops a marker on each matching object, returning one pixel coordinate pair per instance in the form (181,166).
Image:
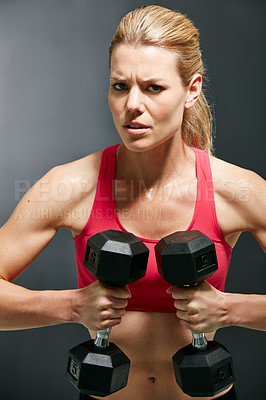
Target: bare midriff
(150,340)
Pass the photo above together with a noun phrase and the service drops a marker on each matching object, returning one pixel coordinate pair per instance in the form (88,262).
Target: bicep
(42,211)
(21,242)
(254,211)
(240,197)
(27,232)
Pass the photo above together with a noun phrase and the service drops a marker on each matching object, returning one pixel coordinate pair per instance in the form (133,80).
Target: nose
(135,101)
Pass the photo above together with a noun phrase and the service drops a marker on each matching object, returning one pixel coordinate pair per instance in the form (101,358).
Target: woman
(162,178)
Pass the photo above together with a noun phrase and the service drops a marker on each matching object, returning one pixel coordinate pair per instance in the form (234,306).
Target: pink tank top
(149,293)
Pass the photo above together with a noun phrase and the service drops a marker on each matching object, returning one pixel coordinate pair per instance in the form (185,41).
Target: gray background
(53,109)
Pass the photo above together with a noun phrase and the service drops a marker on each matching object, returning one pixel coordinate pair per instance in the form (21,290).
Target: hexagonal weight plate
(116,257)
(97,372)
(203,373)
(186,258)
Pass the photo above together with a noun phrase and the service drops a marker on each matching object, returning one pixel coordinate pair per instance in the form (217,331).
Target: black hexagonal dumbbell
(202,368)
(98,367)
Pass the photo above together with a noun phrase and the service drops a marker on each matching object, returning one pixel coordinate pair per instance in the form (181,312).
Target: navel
(152,379)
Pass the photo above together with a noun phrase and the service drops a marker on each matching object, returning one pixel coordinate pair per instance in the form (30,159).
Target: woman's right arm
(29,230)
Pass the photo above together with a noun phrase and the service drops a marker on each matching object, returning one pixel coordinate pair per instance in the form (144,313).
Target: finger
(193,326)
(112,314)
(182,315)
(185,324)
(109,323)
(118,292)
(181,305)
(114,322)
(179,293)
(186,306)
(119,303)
(170,290)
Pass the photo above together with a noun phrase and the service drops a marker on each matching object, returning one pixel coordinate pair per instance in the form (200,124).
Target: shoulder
(60,190)
(74,183)
(74,177)
(235,183)
(240,197)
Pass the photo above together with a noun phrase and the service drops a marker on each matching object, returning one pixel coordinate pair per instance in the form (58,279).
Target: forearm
(21,308)
(246,310)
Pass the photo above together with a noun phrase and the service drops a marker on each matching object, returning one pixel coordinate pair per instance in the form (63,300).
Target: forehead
(144,61)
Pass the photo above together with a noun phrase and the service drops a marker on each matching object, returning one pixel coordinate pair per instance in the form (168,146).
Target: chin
(140,145)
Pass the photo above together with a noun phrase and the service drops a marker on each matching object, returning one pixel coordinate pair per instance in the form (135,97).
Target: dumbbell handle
(199,341)
(102,338)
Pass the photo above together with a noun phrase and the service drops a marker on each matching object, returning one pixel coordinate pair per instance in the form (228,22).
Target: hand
(100,306)
(201,308)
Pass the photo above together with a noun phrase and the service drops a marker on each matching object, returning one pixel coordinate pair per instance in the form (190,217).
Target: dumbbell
(203,368)
(98,367)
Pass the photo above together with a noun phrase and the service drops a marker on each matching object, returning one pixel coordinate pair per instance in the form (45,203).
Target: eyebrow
(145,80)
(117,78)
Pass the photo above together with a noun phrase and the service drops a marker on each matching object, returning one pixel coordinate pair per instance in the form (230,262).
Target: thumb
(170,290)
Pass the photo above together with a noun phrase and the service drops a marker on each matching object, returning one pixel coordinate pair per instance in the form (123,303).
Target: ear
(194,90)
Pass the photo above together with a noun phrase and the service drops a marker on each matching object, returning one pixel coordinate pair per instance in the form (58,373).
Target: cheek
(170,112)
(113,104)
(117,109)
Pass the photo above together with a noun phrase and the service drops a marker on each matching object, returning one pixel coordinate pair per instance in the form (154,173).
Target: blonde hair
(159,26)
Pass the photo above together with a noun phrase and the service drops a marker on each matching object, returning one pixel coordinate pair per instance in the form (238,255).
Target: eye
(155,88)
(119,86)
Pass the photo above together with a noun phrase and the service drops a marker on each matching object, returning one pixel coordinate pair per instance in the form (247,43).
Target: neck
(162,163)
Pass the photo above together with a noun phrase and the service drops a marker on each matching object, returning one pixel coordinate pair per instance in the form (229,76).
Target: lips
(135,125)
(135,128)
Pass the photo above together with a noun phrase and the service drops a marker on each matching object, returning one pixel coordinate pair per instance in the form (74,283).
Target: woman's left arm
(252,211)
(204,308)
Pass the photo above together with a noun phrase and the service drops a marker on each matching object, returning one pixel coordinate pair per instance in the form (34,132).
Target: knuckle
(192,308)
(105,315)
(105,303)
(194,318)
